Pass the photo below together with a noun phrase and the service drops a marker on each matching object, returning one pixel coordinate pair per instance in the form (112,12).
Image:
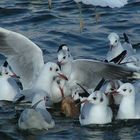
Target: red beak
(62,76)
(14,76)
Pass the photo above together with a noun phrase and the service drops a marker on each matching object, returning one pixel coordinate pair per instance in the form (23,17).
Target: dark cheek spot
(124,89)
(50,68)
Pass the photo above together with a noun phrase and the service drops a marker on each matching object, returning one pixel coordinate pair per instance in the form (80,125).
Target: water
(51,27)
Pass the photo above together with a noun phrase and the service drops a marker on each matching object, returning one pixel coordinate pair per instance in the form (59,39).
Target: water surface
(49,28)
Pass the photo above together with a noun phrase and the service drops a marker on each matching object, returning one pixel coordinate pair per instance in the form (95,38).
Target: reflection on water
(51,27)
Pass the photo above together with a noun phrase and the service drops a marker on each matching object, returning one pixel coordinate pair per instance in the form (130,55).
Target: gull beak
(15,76)
(59,64)
(84,101)
(111,46)
(62,76)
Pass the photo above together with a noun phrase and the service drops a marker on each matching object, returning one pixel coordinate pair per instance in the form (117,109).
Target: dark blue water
(49,28)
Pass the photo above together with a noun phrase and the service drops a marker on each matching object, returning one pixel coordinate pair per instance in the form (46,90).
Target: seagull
(36,117)
(104,3)
(129,106)
(117,49)
(26,60)
(95,110)
(89,72)
(47,83)
(122,53)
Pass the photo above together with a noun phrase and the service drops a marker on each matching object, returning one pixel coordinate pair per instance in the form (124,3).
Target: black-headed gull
(129,106)
(118,49)
(89,72)
(122,52)
(45,83)
(36,117)
(95,110)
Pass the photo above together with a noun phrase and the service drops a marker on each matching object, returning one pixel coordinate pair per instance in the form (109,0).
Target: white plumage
(96,111)
(104,3)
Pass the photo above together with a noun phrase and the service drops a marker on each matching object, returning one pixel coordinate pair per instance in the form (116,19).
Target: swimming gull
(36,117)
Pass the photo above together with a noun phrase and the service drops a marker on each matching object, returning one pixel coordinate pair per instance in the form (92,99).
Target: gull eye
(124,89)
(115,41)
(57,69)
(94,98)
(64,57)
(112,89)
(50,68)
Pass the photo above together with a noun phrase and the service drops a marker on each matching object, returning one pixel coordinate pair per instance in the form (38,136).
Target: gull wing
(90,72)
(24,56)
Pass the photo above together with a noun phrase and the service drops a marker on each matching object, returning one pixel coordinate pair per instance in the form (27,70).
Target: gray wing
(13,83)
(24,57)
(85,110)
(46,115)
(129,48)
(90,72)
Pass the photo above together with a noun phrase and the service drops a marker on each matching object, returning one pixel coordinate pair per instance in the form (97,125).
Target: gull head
(126,89)
(64,55)
(75,96)
(97,97)
(113,39)
(53,70)
(63,47)
(112,86)
(41,100)
(79,96)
